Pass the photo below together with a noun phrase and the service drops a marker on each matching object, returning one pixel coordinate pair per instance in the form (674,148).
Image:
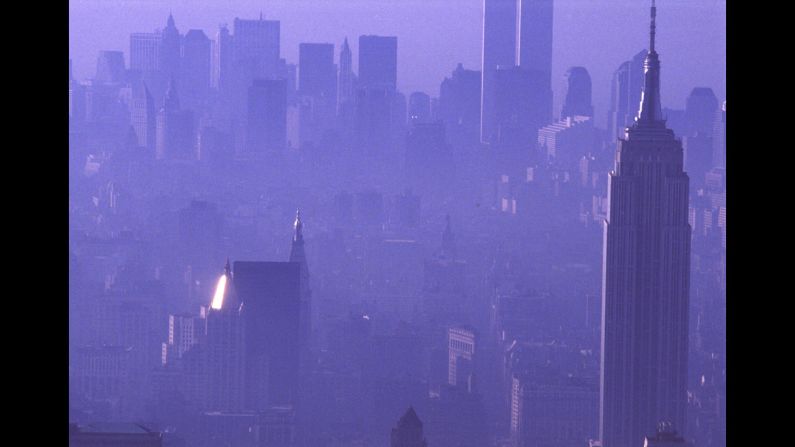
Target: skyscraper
(169,53)
(534,49)
(317,87)
(256,47)
(378,62)
(145,52)
(225,347)
(298,255)
(578,93)
(700,115)
(625,92)
(222,59)
(459,106)
(143,116)
(316,72)
(196,57)
(645,294)
(266,128)
(499,49)
(345,79)
(271,295)
(408,432)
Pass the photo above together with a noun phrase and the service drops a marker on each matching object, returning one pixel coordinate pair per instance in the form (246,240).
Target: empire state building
(646,280)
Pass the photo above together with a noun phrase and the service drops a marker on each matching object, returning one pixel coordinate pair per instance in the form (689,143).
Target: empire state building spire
(650,113)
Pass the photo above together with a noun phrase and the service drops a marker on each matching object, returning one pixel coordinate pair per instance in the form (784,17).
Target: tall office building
(316,71)
(518,116)
(266,126)
(221,59)
(408,432)
(143,116)
(170,49)
(499,50)
(700,115)
(196,57)
(460,356)
(645,294)
(578,94)
(256,47)
(144,52)
(225,347)
(317,88)
(378,62)
(270,293)
(534,48)
(625,90)
(459,106)
(345,80)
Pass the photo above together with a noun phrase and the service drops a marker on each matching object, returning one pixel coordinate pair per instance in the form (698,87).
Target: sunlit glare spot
(218,298)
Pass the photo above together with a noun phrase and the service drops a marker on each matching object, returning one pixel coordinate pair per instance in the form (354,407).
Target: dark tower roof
(170,21)
(650,113)
(409,419)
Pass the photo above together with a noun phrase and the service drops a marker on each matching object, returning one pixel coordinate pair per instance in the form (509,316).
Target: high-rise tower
(646,276)
(297,254)
(499,50)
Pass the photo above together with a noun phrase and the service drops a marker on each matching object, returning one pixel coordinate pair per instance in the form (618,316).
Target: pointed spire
(299,227)
(170,22)
(650,110)
(228,269)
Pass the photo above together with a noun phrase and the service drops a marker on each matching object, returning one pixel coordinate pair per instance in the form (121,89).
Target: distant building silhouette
(378,62)
(499,50)
(534,50)
(346,77)
(266,127)
(170,50)
(143,116)
(175,132)
(408,432)
(625,90)
(700,115)
(271,297)
(195,70)
(646,282)
(459,107)
(578,93)
(317,88)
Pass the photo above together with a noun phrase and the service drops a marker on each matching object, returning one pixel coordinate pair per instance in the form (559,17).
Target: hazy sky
(434,35)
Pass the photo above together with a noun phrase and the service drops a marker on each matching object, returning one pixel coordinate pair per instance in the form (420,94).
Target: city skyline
(703,20)
(270,248)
